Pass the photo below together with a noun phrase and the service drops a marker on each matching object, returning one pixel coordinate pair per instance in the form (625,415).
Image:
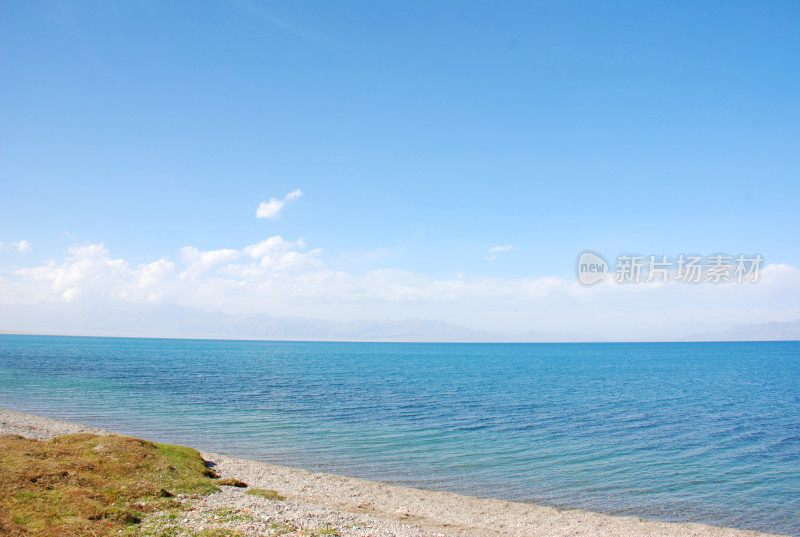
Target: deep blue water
(703,432)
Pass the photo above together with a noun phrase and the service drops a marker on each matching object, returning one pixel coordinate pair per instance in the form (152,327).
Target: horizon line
(263,340)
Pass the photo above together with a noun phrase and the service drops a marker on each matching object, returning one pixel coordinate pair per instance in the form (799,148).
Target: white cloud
(22,246)
(496,250)
(272,208)
(150,282)
(267,247)
(275,253)
(200,262)
(86,269)
(294,194)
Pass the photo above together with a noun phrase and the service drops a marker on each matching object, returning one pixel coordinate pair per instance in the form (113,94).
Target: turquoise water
(704,432)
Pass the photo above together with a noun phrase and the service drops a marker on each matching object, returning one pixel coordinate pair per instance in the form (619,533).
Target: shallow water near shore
(700,432)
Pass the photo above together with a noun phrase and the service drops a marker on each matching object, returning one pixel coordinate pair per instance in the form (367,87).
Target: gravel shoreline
(318,503)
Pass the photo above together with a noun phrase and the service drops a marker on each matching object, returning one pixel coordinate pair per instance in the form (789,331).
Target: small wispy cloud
(22,247)
(496,250)
(272,208)
(253,8)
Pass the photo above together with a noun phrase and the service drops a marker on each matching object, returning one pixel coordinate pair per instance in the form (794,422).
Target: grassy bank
(84,484)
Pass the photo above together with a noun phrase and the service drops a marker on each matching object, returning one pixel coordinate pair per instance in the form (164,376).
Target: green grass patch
(268,494)
(84,484)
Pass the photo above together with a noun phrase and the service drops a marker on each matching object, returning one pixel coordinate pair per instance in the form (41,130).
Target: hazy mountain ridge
(184,322)
(774,331)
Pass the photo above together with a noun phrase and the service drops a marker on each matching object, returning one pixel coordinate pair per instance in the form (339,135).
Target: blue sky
(421,135)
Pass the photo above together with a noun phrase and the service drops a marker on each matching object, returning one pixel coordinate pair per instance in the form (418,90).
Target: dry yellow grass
(84,484)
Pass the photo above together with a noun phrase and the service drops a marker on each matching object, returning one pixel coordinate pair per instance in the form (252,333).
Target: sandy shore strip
(359,508)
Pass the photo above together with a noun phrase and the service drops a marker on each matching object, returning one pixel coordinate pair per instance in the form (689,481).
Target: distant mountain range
(183,322)
(789,331)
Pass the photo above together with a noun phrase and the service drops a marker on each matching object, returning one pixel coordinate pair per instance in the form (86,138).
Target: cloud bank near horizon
(287,278)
